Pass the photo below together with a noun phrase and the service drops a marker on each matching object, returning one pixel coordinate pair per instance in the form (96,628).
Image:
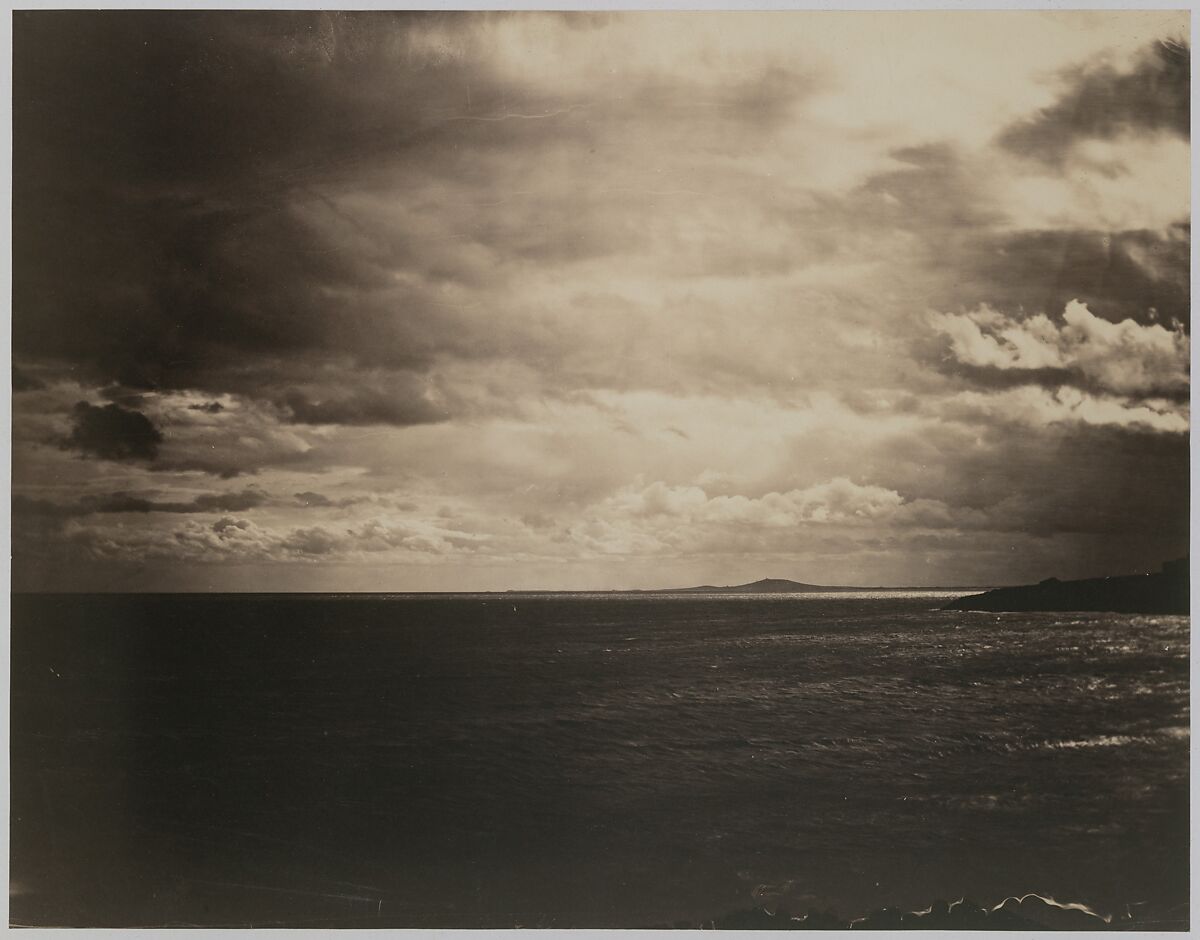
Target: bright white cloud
(659,516)
(1125,358)
(1042,407)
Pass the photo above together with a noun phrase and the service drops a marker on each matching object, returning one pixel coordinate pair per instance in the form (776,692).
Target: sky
(485,301)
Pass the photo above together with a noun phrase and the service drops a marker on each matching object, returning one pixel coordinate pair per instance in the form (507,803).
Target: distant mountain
(1165,592)
(765,586)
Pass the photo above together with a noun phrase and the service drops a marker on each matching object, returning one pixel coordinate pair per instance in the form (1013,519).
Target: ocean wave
(1030,911)
(1118,740)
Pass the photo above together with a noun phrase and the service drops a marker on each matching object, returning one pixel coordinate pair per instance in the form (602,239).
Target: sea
(587,760)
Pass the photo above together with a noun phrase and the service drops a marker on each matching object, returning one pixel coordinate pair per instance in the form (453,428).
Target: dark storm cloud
(178,178)
(25,506)
(1103,103)
(934,195)
(211,407)
(1105,482)
(936,353)
(245,101)
(934,192)
(24,382)
(987,378)
(166,169)
(226,287)
(1138,275)
(113,432)
(126,398)
(209,502)
(321,501)
(1123,483)
(366,407)
(128,502)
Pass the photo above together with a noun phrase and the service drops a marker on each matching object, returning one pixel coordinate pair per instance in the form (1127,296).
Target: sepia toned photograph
(628,470)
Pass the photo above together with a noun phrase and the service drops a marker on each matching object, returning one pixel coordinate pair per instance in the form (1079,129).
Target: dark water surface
(585,761)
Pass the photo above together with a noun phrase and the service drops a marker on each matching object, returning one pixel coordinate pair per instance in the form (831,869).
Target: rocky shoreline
(1164,592)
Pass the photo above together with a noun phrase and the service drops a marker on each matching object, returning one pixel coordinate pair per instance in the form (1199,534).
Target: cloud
(373,252)
(402,408)
(226,539)
(311,541)
(208,502)
(838,501)
(246,539)
(244,437)
(659,517)
(24,382)
(1108,185)
(388,263)
(26,506)
(1111,154)
(1123,358)
(130,503)
(1044,407)
(219,241)
(936,189)
(1139,275)
(1103,102)
(113,433)
(311,499)
(374,536)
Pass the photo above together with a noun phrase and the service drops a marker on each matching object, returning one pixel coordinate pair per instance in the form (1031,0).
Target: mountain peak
(762,586)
